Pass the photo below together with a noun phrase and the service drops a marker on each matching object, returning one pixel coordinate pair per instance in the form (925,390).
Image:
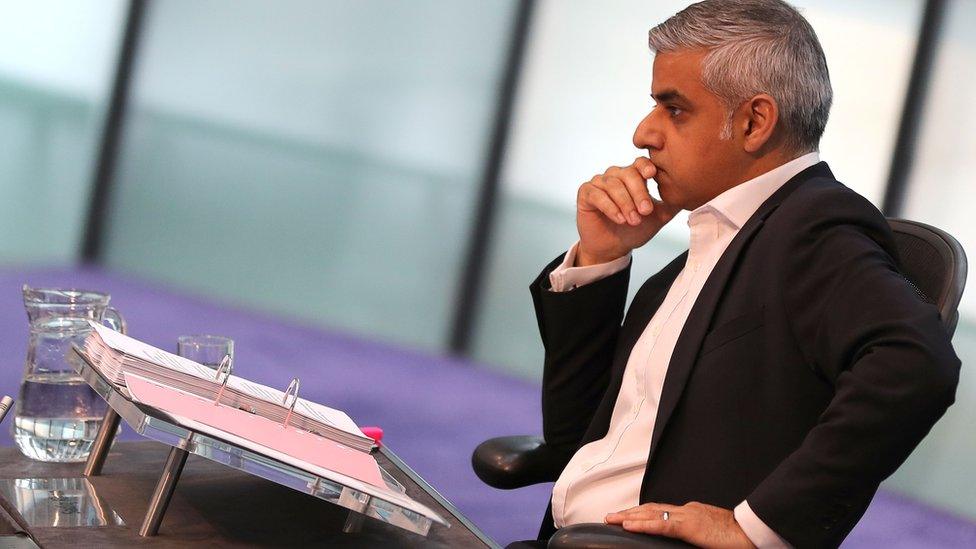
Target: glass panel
(59,503)
(940,191)
(586,84)
(388,504)
(57,60)
(317,159)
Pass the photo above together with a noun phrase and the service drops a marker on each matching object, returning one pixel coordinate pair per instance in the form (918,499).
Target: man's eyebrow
(669,95)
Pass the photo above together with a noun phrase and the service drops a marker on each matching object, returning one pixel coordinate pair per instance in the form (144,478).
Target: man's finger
(637,185)
(670,528)
(618,191)
(642,512)
(619,516)
(596,198)
(646,168)
(657,507)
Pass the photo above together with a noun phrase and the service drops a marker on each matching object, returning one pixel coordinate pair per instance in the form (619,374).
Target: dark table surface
(215,505)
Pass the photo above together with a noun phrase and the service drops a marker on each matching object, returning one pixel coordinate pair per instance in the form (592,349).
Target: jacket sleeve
(579,330)
(863,328)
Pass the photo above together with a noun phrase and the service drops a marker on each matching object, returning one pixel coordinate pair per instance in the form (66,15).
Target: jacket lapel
(699,319)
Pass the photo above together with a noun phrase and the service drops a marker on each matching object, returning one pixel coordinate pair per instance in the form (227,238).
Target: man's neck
(768,163)
(764,164)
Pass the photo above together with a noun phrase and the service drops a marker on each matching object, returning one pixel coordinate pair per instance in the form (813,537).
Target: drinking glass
(208,350)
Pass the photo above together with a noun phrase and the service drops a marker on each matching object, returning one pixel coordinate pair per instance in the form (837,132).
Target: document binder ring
(225,364)
(225,367)
(400,512)
(292,391)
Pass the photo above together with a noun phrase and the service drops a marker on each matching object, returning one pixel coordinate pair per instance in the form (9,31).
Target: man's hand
(696,523)
(615,213)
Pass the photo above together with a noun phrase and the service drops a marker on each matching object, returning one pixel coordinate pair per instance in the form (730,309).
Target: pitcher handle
(114,319)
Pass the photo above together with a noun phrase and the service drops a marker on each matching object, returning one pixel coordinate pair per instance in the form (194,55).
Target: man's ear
(759,122)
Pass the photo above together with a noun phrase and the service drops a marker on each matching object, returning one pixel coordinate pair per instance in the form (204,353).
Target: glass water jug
(58,414)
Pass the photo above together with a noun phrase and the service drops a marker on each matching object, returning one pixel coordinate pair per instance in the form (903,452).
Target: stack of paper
(115,355)
(301,449)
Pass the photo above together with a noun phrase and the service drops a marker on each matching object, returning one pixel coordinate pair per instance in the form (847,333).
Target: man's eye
(674,111)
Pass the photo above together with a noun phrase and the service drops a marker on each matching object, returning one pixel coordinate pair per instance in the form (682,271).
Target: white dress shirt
(605,476)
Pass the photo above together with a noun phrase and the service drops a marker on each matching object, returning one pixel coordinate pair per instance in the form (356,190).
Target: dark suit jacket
(806,373)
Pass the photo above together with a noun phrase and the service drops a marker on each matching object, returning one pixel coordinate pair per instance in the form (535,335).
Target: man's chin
(663,185)
(665,191)
(659,177)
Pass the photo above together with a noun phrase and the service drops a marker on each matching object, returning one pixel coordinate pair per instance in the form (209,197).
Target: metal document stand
(156,425)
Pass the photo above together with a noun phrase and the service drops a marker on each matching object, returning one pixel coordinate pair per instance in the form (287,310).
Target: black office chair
(931,260)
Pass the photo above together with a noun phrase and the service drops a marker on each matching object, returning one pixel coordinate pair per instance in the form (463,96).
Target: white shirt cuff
(756,530)
(565,277)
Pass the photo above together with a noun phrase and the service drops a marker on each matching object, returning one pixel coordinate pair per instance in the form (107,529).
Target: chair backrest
(934,262)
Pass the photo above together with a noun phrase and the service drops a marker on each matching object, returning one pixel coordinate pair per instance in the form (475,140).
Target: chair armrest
(517,461)
(603,536)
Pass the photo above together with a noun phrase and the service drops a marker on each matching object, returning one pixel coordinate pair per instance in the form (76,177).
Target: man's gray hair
(757,46)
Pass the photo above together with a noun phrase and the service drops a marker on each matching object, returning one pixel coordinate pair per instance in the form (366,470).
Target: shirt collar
(739,203)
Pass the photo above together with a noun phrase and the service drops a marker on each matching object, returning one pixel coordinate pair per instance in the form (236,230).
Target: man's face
(683,134)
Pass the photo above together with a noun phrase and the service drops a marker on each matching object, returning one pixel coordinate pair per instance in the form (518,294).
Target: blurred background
(400,171)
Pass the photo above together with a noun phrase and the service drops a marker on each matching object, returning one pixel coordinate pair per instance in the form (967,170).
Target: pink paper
(289,440)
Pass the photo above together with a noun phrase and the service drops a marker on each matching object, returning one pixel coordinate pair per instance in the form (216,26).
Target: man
(765,382)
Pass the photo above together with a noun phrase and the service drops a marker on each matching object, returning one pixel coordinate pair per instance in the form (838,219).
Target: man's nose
(648,135)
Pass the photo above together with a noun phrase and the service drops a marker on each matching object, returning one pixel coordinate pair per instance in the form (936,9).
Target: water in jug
(58,414)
